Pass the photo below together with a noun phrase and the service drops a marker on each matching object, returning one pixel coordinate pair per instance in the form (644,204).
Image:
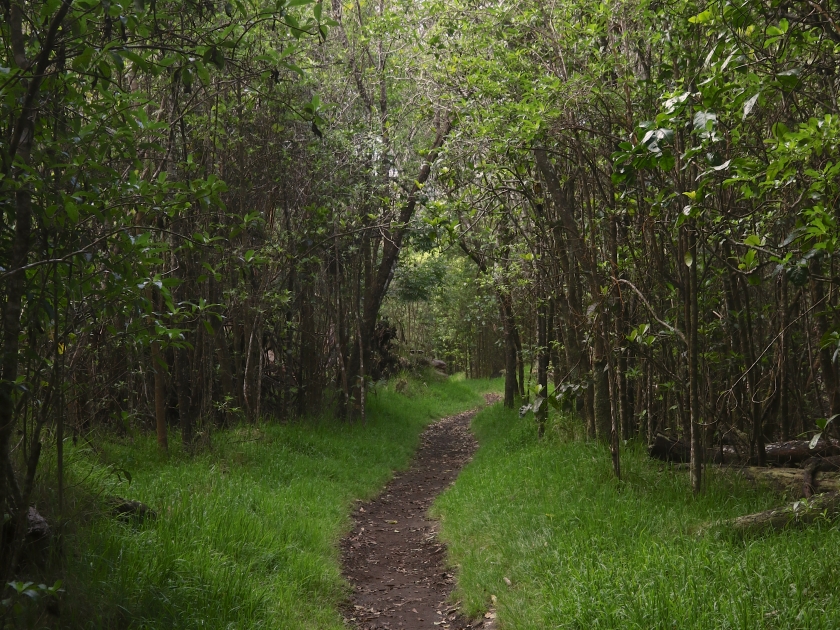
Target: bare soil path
(392,558)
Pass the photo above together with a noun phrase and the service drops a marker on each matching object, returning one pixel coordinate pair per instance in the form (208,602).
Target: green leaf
(292,67)
(702,18)
(72,211)
(82,61)
(749,104)
(780,130)
(789,79)
(136,59)
(689,259)
(201,71)
(104,69)
(218,58)
(667,162)
(702,119)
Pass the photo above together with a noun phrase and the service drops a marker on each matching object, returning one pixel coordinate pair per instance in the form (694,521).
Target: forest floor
(542,531)
(392,558)
(248,529)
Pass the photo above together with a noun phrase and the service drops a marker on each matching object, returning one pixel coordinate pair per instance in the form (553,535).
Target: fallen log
(814,465)
(789,481)
(791,453)
(797,451)
(671,450)
(798,514)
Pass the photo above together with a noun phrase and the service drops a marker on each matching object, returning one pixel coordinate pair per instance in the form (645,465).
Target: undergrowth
(582,550)
(246,533)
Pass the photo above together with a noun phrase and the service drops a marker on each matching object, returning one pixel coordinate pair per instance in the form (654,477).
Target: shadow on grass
(246,531)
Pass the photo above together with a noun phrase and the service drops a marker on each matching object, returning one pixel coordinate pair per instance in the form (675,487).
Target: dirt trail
(392,557)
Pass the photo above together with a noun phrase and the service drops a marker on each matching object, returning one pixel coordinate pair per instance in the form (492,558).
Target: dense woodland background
(221,212)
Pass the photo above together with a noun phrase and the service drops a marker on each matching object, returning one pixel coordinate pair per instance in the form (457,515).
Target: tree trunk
(821,507)
(614,418)
(784,413)
(183,378)
(520,361)
(159,371)
(11,332)
(697,455)
(601,395)
(510,356)
(742,343)
(160,396)
(229,390)
(589,410)
(542,365)
(375,291)
(15,289)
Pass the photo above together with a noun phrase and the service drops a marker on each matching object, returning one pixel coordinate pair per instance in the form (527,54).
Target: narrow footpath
(392,558)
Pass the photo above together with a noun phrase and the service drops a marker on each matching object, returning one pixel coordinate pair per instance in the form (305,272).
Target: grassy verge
(247,531)
(582,551)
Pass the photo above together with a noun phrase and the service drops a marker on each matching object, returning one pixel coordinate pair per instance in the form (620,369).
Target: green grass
(247,532)
(583,551)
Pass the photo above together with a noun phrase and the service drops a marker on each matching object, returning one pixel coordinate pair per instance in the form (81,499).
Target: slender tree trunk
(520,360)
(589,408)
(620,411)
(625,412)
(746,384)
(601,392)
(542,364)
(558,340)
(225,365)
(15,289)
(159,371)
(697,453)
(784,413)
(184,380)
(510,356)
(614,428)
(160,396)
(757,430)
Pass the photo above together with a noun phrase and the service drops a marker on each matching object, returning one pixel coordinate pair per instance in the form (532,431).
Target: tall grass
(246,534)
(583,551)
